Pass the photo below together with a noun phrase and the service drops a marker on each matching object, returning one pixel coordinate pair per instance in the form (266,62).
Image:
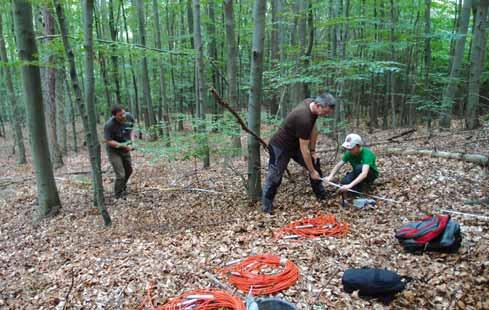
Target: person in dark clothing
(296,139)
(117,136)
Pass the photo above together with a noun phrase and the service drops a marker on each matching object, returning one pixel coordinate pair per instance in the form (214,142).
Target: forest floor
(171,236)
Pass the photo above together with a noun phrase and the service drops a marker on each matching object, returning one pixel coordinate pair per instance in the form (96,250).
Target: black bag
(371,282)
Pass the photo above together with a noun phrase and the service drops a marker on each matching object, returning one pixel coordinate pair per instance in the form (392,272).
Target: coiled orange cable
(249,274)
(205,299)
(322,225)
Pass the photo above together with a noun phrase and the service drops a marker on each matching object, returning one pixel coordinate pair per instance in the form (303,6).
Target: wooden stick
(405,133)
(225,105)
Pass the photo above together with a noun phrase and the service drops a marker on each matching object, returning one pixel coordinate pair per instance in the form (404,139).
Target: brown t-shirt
(297,125)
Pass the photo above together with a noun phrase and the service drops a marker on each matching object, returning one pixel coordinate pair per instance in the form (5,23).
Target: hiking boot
(267,206)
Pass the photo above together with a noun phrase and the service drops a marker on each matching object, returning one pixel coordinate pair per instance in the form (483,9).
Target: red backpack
(433,232)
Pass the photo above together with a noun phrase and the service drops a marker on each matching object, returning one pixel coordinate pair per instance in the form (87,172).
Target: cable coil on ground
(205,299)
(250,274)
(320,226)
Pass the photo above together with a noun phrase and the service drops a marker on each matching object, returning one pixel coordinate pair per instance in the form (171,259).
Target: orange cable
(248,274)
(320,226)
(204,299)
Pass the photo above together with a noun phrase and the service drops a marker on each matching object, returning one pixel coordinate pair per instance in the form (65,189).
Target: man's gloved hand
(315,176)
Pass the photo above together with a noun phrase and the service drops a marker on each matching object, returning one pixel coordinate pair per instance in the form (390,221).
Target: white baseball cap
(351,140)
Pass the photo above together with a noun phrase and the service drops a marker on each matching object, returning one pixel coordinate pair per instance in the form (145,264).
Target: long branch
(225,105)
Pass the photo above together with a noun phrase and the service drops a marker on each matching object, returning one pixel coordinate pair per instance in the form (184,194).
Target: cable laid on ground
(321,226)
(205,299)
(250,274)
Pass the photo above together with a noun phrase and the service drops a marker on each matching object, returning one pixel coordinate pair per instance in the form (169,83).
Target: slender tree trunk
(308,52)
(72,116)
(176,93)
(60,110)
(93,142)
(255,99)
(200,83)
(50,93)
(136,107)
(103,64)
(427,55)
(211,29)
(392,77)
(162,94)
(148,105)
(374,106)
(283,104)
(232,66)
(87,108)
(114,58)
(275,55)
(47,193)
(476,65)
(449,92)
(16,117)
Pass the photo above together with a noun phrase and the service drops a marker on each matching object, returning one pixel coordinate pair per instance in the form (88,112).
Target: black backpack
(437,233)
(371,282)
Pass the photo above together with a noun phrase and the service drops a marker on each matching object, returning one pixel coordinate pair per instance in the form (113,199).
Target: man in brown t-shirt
(296,139)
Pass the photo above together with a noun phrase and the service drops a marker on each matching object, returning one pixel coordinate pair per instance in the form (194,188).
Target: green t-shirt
(366,157)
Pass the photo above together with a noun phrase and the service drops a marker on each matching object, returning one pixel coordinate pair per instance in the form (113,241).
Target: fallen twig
(402,134)
(191,189)
(69,290)
(318,295)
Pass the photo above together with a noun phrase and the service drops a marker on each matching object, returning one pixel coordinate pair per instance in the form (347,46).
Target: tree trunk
(162,94)
(114,57)
(86,109)
(72,116)
(176,93)
(479,159)
(136,107)
(427,55)
(50,93)
(283,104)
(16,117)
(232,67)
(476,65)
(93,142)
(200,84)
(148,105)
(449,92)
(60,110)
(47,193)
(213,58)
(255,99)
(392,77)
(275,55)
(103,64)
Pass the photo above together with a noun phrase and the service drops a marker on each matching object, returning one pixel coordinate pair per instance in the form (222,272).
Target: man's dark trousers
(352,175)
(121,162)
(279,159)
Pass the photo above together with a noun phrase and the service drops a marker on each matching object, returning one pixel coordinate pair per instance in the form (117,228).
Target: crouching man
(296,139)
(363,162)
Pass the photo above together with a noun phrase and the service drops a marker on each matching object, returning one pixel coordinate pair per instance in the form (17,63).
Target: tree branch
(225,105)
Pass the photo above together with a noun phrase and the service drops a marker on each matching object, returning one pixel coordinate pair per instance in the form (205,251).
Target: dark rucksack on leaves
(371,282)
(432,233)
